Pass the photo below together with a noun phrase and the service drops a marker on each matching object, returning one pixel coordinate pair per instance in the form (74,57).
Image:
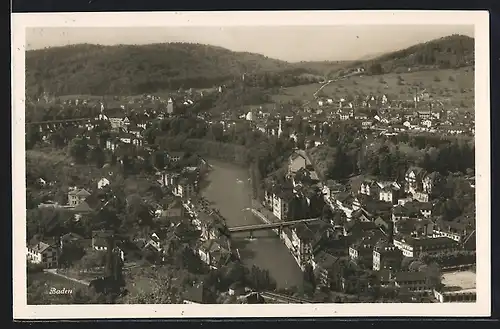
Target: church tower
(280,130)
(170,106)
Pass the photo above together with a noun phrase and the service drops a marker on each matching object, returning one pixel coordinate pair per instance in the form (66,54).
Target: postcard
(251,164)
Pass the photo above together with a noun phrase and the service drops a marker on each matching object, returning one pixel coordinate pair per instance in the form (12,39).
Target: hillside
(126,69)
(451,86)
(453,51)
(321,67)
(131,70)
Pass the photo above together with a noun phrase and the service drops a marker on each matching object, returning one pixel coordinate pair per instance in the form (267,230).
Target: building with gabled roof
(43,253)
(77,196)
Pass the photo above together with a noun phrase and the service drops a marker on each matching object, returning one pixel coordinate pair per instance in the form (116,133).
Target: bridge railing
(273,225)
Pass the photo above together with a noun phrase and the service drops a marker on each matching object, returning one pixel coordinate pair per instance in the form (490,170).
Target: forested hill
(448,52)
(132,69)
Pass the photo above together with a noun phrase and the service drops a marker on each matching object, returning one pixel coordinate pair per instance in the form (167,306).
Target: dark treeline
(348,152)
(279,79)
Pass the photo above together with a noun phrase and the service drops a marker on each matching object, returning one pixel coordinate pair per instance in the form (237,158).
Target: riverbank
(228,188)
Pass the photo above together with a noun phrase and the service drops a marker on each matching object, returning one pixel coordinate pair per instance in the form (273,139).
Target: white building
(102,182)
(43,253)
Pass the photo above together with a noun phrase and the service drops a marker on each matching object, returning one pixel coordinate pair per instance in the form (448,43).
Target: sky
(292,43)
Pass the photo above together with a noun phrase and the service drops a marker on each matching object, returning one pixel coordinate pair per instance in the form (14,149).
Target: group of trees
(349,152)
(289,78)
(239,144)
(451,258)
(237,274)
(39,112)
(448,52)
(127,69)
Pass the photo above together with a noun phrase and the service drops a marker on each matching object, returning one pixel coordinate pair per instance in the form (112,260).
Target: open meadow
(455,86)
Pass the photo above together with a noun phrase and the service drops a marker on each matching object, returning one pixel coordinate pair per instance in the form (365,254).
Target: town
(371,195)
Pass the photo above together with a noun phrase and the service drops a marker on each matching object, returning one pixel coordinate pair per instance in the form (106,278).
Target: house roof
(369,239)
(71,237)
(375,207)
(83,207)
(79,192)
(93,201)
(389,186)
(355,225)
(427,241)
(402,210)
(304,233)
(344,197)
(326,260)
(381,222)
(432,176)
(417,170)
(40,247)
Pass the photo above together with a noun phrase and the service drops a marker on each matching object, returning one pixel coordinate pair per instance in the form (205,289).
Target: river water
(229,190)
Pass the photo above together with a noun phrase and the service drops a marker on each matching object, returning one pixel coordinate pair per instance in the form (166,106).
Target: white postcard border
(480,21)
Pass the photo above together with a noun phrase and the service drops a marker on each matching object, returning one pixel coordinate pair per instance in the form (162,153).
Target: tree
(415,265)
(33,136)
(93,259)
(78,149)
(163,289)
(309,277)
(97,156)
(433,275)
(70,253)
(406,262)
(301,142)
(376,68)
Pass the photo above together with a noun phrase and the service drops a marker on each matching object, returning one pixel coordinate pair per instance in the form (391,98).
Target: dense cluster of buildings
(381,223)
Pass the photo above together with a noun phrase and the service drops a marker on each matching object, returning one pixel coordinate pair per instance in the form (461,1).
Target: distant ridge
(136,69)
(447,52)
(133,69)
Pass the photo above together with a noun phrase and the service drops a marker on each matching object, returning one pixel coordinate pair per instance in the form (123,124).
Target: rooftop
(39,247)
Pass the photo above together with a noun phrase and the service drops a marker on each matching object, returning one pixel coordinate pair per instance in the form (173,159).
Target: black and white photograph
(328,161)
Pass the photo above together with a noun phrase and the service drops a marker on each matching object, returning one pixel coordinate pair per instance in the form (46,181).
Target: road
(54,272)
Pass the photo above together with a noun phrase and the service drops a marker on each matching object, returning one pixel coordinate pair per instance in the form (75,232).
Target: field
(455,86)
(52,280)
(463,280)
(44,282)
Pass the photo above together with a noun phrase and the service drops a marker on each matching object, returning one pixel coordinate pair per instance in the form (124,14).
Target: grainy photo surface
(314,164)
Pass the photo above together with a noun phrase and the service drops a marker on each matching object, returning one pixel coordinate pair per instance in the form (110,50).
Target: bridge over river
(269,226)
(268,223)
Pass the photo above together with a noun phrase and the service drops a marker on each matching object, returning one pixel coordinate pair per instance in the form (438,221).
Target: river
(229,190)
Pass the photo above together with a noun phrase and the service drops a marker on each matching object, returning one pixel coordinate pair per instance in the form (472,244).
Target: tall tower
(280,130)
(170,106)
